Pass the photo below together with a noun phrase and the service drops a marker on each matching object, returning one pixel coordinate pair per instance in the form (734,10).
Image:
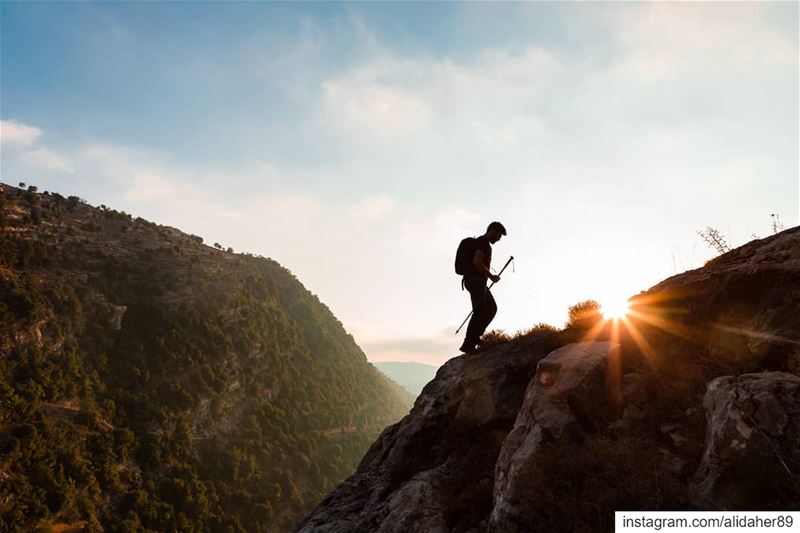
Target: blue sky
(357,143)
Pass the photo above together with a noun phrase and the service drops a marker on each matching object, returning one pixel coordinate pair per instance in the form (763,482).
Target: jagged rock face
(577,389)
(434,470)
(752,450)
(742,308)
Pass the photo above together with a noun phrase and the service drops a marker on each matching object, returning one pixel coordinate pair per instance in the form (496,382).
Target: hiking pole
(484,295)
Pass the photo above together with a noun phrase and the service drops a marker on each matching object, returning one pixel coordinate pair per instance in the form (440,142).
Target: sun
(615,309)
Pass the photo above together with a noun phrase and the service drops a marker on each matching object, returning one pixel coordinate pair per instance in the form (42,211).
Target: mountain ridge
(207,389)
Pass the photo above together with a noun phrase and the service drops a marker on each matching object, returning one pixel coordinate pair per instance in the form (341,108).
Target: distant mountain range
(150,382)
(412,376)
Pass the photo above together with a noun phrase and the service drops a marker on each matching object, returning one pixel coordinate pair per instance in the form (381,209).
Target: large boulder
(434,470)
(576,391)
(752,449)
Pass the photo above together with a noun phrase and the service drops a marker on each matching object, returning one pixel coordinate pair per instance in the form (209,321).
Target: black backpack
(464,256)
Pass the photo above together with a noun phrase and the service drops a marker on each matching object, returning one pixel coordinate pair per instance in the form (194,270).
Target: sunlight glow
(615,310)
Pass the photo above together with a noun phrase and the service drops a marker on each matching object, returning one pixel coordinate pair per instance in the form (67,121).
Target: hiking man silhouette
(483,305)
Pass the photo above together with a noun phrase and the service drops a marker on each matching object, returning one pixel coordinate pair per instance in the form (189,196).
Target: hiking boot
(468,348)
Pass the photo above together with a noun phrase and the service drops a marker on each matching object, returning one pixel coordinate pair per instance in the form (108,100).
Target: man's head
(495,231)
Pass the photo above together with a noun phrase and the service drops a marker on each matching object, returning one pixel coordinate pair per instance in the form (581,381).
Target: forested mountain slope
(151,382)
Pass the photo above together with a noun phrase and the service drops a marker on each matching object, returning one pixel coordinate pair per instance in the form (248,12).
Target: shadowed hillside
(149,381)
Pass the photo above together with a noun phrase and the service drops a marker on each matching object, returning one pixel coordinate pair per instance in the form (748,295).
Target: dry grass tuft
(494,338)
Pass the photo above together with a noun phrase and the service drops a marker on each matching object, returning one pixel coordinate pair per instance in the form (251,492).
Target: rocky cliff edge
(691,402)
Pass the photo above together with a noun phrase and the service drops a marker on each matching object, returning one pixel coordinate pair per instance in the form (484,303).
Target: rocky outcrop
(434,470)
(740,310)
(576,391)
(523,437)
(752,453)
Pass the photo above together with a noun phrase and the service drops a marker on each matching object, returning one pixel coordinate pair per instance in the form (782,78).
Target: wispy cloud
(13,132)
(375,108)
(49,159)
(662,41)
(22,140)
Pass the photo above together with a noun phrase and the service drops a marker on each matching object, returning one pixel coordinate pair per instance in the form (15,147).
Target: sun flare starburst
(615,310)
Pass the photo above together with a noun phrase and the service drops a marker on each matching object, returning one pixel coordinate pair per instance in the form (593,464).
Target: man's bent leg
(477,324)
(487,311)
(491,310)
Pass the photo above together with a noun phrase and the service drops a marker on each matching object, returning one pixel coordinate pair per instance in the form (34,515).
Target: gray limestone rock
(752,448)
(577,389)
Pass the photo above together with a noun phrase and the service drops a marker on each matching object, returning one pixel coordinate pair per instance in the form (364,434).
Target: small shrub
(583,315)
(539,329)
(494,337)
(91,225)
(536,333)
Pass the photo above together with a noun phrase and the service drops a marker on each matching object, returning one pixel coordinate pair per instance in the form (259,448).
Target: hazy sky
(356,144)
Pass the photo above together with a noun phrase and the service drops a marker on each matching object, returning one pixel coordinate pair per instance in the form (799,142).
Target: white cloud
(663,40)
(21,140)
(376,108)
(428,95)
(151,178)
(13,132)
(48,159)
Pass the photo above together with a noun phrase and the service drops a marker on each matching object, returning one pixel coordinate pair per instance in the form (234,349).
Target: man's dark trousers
(483,307)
